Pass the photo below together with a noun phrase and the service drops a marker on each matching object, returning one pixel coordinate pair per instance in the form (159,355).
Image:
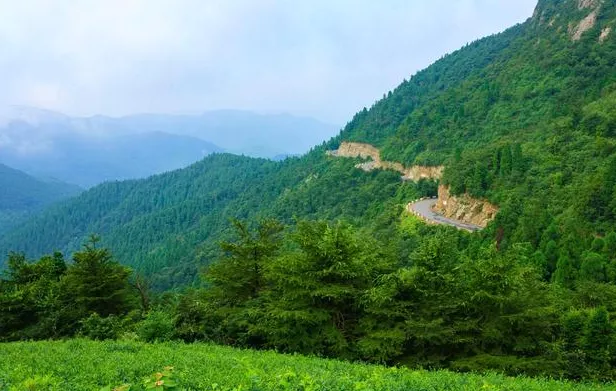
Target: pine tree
(598,339)
(565,273)
(96,283)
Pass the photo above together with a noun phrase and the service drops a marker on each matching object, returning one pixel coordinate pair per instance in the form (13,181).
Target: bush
(157,326)
(96,327)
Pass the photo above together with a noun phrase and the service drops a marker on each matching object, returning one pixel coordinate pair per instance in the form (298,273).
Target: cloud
(314,57)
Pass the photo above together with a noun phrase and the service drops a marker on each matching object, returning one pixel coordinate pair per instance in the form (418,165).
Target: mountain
(21,195)
(88,151)
(523,119)
(515,133)
(241,132)
(59,148)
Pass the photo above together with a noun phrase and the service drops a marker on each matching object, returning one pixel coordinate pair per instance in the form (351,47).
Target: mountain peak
(576,18)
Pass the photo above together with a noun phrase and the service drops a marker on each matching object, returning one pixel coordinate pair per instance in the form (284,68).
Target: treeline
(424,296)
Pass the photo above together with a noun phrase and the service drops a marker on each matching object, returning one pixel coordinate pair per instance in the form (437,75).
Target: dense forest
(312,255)
(21,195)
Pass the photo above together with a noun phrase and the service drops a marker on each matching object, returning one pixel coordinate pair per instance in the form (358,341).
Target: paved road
(424,209)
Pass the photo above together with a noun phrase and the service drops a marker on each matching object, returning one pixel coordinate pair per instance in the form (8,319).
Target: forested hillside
(21,195)
(166,224)
(525,119)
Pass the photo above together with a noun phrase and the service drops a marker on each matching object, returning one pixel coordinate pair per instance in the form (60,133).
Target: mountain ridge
(22,195)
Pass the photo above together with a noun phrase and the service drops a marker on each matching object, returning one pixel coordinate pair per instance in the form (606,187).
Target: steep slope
(524,119)
(21,195)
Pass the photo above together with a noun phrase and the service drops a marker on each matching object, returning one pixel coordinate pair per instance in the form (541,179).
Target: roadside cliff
(367,151)
(464,208)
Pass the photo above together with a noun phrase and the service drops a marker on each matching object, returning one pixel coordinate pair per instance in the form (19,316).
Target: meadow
(83,365)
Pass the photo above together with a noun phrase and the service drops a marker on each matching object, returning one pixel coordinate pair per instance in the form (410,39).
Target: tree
(29,297)
(412,309)
(506,162)
(565,273)
(314,305)
(598,339)
(238,276)
(593,268)
(237,280)
(96,283)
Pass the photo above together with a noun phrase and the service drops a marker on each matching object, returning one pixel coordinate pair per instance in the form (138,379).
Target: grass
(89,365)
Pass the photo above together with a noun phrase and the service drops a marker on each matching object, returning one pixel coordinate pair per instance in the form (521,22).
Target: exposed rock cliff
(575,17)
(367,151)
(585,24)
(464,208)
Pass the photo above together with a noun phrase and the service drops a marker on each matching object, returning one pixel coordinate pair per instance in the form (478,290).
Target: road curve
(423,209)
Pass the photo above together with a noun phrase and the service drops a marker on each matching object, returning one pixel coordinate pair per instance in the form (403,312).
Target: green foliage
(99,283)
(95,327)
(157,326)
(50,299)
(78,365)
(524,119)
(161,381)
(22,195)
(166,225)
(313,305)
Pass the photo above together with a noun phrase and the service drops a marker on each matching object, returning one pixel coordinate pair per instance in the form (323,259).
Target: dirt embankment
(367,151)
(464,208)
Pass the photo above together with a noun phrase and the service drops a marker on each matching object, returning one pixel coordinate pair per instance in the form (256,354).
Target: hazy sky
(323,58)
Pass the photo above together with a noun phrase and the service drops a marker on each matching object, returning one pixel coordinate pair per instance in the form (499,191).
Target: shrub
(96,327)
(157,326)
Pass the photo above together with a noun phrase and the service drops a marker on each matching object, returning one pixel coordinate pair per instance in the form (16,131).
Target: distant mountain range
(22,194)
(88,151)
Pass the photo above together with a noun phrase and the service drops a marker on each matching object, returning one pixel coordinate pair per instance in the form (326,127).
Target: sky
(321,58)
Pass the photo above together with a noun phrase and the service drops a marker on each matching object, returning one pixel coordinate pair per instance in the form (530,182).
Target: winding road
(423,209)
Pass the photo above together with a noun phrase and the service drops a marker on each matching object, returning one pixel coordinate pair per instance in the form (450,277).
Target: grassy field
(86,365)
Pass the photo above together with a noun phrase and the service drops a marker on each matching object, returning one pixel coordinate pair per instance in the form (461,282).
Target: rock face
(585,24)
(605,33)
(587,4)
(575,18)
(367,151)
(464,208)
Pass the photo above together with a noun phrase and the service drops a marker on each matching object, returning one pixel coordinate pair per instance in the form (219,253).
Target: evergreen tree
(96,283)
(598,340)
(238,279)
(315,303)
(565,273)
(593,268)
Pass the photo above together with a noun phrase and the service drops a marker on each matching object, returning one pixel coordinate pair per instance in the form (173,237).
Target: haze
(320,58)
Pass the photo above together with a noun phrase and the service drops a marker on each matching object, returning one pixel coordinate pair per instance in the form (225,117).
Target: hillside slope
(524,119)
(166,224)
(21,195)
(88,365)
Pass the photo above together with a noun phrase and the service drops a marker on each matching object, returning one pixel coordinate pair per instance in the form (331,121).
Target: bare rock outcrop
(585,24)
(464,208)
(605,33)
(588,4)
(416,173)
(367,151)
